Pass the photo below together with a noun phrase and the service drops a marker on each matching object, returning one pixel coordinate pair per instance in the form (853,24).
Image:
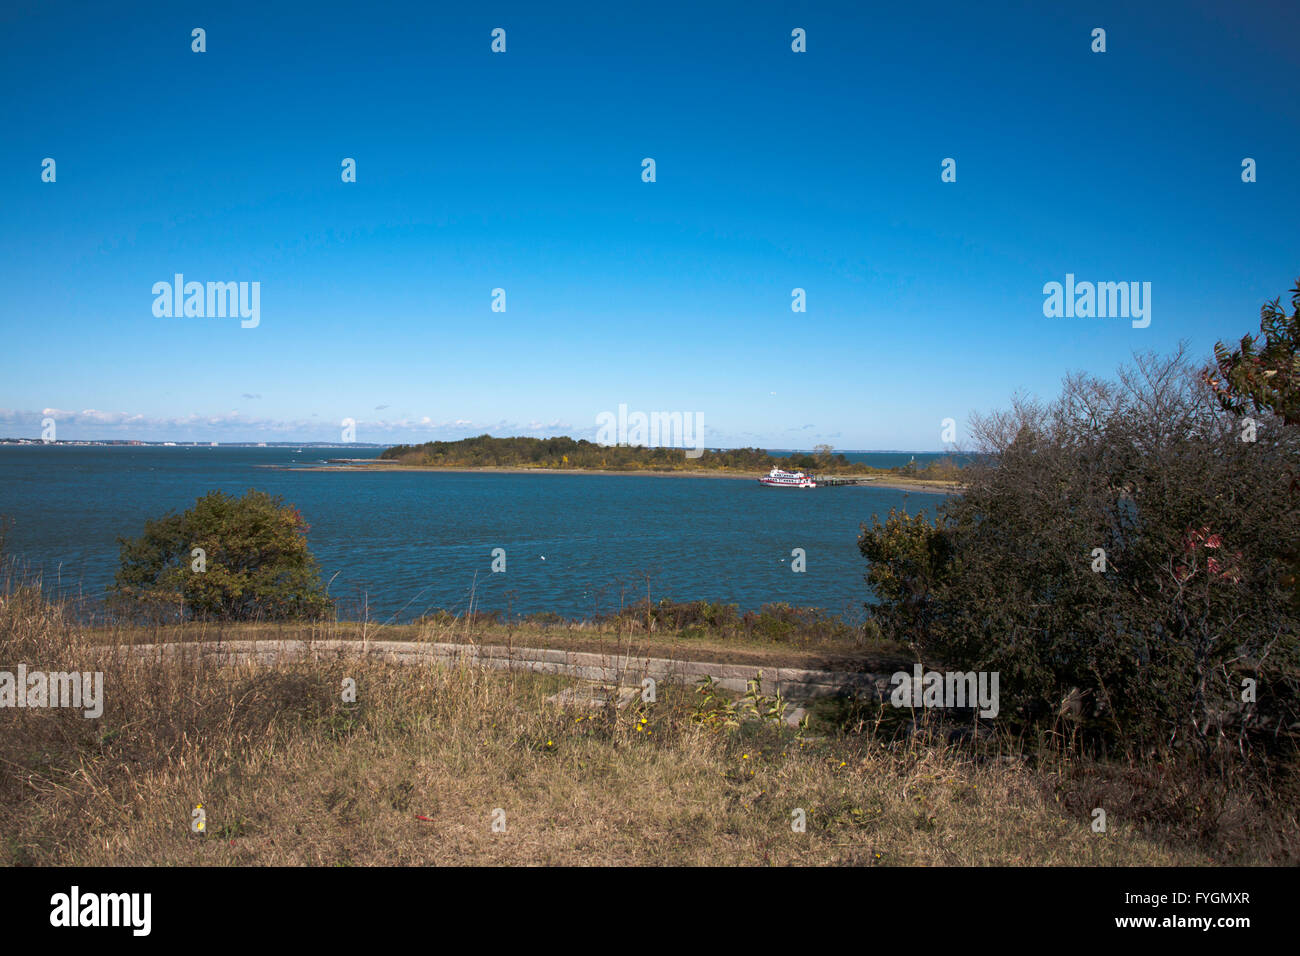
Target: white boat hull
(777,478)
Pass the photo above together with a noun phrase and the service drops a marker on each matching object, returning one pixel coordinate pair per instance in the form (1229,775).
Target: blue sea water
(397,545)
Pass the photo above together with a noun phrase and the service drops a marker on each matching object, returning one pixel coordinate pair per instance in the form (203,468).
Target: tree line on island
(485,451)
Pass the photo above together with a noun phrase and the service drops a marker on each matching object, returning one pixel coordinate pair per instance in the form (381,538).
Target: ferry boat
(776,478)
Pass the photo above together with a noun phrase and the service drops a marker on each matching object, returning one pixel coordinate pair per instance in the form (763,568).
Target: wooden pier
(835,482)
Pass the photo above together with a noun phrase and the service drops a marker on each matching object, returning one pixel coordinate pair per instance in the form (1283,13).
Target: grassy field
(412,772)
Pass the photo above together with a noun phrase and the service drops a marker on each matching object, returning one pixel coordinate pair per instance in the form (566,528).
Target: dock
(835,482)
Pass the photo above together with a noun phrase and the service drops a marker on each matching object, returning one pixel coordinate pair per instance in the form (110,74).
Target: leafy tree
(228,558)
(907,555)
(1263,377)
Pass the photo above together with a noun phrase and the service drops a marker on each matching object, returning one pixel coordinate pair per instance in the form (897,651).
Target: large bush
(1263,375)
(1118,556)
(228,558)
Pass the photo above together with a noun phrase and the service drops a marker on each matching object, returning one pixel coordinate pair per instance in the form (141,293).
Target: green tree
(907,557)
(228,559)
(1263,374)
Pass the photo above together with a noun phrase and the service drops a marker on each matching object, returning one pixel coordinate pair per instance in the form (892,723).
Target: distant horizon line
(195,443)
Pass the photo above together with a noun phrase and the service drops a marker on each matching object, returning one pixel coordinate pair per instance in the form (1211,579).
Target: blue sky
(522,171)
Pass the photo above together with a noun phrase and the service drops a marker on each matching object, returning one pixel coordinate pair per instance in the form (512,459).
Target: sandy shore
(371,464)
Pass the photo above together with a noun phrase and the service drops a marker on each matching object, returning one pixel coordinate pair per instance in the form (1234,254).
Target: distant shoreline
(374,464)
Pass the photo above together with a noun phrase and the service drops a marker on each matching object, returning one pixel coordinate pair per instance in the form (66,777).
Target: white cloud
(91,424)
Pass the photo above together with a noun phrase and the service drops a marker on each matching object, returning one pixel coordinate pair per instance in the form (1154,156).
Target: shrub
(445,618)
(253,565)
(546,618)
(1116,555)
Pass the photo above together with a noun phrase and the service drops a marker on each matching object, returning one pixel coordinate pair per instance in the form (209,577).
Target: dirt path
(611,668)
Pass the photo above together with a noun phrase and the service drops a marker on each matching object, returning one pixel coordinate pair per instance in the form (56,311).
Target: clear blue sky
(522,170)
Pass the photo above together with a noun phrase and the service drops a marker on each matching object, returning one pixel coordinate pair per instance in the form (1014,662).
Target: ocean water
(397,545)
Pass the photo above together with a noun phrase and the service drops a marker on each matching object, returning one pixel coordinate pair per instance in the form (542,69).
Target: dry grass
(288,774)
